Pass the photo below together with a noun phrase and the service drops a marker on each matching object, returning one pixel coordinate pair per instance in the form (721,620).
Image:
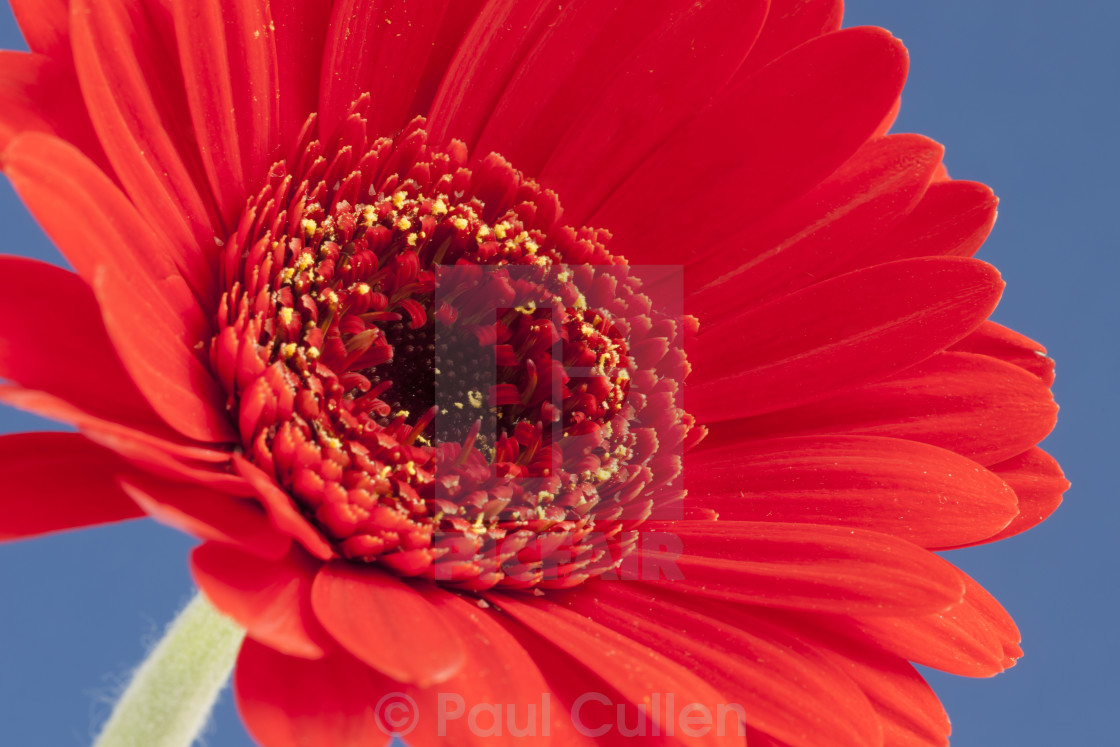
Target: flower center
(436,370)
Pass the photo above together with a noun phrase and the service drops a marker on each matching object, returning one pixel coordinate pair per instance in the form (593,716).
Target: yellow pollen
(460,223)
(502,230)
(286,314)
(399,199)
(309,226)
(475,398)
(404,224)
(313,353)
(288,349)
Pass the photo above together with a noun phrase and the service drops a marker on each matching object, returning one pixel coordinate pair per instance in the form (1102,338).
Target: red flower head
(383,301)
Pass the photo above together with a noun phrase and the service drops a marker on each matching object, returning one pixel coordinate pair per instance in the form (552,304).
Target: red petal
(810,239)
(976,638)
(56,481)
(458,18)
(487,58)
(622,111)
(755,664)
(823,100)
(798,566)
(148,309)
(888,122)
(292,702)
(1038,483)
(977,406)
(301,34)
(229,66)
(110,433)
(380,48)
(837,334)
(39,94)
(590,51)
(789,24)
(926,495)
(632,669)
(387,623)
(60,332)
(133,86)
(271,599)
(1008,345)
(995,617)
(170,460)
(47,406)
(208,514)
(44,24)
(757,738)
(282,509)
(283,699)
(549,88)
(497,670)
(953,218)
(909,711)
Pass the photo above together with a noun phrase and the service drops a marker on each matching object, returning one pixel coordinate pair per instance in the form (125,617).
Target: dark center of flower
(437,371)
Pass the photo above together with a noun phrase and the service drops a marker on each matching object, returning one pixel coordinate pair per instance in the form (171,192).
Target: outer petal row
(133,88)
(149,311)
(57,481)
(927,495)
(980,407)
(851,329)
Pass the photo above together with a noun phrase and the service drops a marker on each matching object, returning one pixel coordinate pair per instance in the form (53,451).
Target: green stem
(168,701)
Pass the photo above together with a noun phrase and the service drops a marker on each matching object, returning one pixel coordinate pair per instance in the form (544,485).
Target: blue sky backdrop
(1024,95)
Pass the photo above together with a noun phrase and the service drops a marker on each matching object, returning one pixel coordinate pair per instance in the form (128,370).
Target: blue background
(1024,94)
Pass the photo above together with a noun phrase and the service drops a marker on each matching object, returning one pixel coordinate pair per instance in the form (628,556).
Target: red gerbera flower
(329,316)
